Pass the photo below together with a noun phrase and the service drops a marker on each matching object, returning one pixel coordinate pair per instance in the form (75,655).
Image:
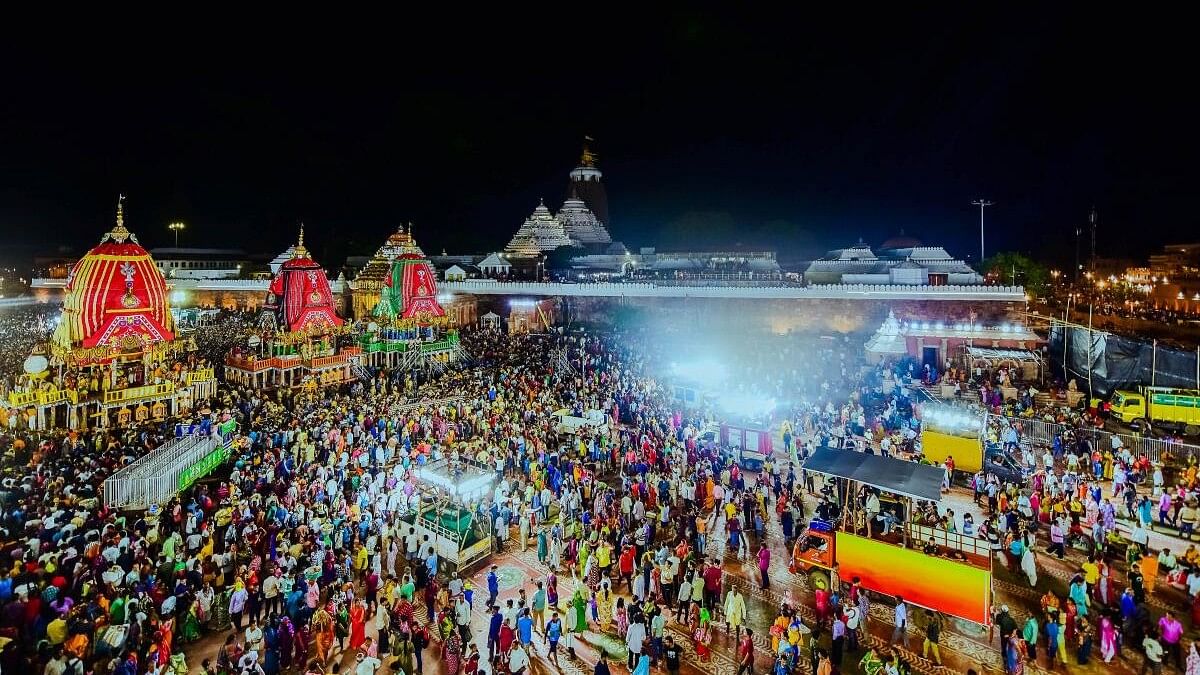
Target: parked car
(998,463)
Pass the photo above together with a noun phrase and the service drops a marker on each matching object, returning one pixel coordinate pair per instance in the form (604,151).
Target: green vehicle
(1160,406)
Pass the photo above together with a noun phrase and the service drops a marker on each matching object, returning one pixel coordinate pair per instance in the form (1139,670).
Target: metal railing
(156,477)
(253,365)
(144,392)
(326,361)
(1042,432)
(919,534)
(201,375)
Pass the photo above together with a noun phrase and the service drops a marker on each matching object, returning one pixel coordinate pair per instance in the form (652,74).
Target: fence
(1043,433)
(132,394)
(159,475)
(919,534)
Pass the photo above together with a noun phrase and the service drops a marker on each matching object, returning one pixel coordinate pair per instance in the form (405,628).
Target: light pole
(982,204)
(176,227)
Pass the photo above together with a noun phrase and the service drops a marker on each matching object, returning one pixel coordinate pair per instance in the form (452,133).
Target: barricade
(1041,432)
(159,475)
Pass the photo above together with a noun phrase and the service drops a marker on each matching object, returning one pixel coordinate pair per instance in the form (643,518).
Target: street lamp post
(981,203)
(176,227)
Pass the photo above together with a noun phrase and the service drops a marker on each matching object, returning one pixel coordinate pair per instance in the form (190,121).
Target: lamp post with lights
(176,227)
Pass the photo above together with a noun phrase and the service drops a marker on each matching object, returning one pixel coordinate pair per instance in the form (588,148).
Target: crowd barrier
(157,476)
(1043,433)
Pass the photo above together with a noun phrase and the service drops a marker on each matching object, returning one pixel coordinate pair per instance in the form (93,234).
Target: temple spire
(119,234)
(587,157)
(300,251)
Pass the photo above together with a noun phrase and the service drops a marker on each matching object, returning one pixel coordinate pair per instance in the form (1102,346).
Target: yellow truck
(1158,405)
(965,447)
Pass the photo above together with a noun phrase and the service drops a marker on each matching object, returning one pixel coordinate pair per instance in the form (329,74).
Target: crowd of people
(304,555)
(21,329)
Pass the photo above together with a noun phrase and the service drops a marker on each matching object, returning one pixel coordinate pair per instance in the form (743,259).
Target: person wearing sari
(323,636)
(301,642)
(552,590)
(579,603)
(1193,661)
(451,653)
(542,550)
(285,633)
(582,556)
(643,666)
(507,637)
(604,607)
(554,557)
(1015,654)
(166,639)
(1108,638)
(341,626)
(404,651)
(358,625)
(592,571)
(191,624)
(1029,566)
(779,629)
(269,651)
(1070,614)
(702,636)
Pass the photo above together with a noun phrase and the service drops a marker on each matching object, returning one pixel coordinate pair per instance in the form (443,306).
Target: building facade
(912,266)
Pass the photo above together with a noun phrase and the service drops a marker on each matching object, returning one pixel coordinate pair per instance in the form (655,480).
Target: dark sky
(798,133)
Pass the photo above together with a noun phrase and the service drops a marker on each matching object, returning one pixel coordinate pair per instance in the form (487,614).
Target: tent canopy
(919,481)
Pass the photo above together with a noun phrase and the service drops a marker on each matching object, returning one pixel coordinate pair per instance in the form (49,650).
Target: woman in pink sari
(1108,639)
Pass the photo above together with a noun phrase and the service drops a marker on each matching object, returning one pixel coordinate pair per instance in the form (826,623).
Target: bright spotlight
(701,370)
(746,405)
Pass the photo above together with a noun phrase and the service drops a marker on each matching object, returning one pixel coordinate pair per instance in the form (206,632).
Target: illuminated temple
(114,356)
(409,328)
(541,232)
(299,341)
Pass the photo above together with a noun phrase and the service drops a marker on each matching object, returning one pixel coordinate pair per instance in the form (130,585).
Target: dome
(300,296)
(901,240)
(581,225)
(411,291)
(116,297)
(541,232)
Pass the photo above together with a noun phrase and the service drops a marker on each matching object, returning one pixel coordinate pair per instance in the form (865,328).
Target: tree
(1015,269)
(560,258)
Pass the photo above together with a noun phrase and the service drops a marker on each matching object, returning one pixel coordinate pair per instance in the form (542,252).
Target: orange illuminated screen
(950,587)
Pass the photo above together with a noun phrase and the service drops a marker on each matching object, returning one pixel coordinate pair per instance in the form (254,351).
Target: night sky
(796,133)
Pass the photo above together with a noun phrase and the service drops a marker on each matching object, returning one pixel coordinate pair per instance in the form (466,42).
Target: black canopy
(919,481)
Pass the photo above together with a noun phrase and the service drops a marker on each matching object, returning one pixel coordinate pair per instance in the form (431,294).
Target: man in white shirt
(900,632)
(872,512)
(635,635)
(462,617)
(270,588)
(1193,582)
(518,660)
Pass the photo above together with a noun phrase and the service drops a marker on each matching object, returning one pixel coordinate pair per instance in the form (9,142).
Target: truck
(1163,406)
(965,447)
(942,571)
